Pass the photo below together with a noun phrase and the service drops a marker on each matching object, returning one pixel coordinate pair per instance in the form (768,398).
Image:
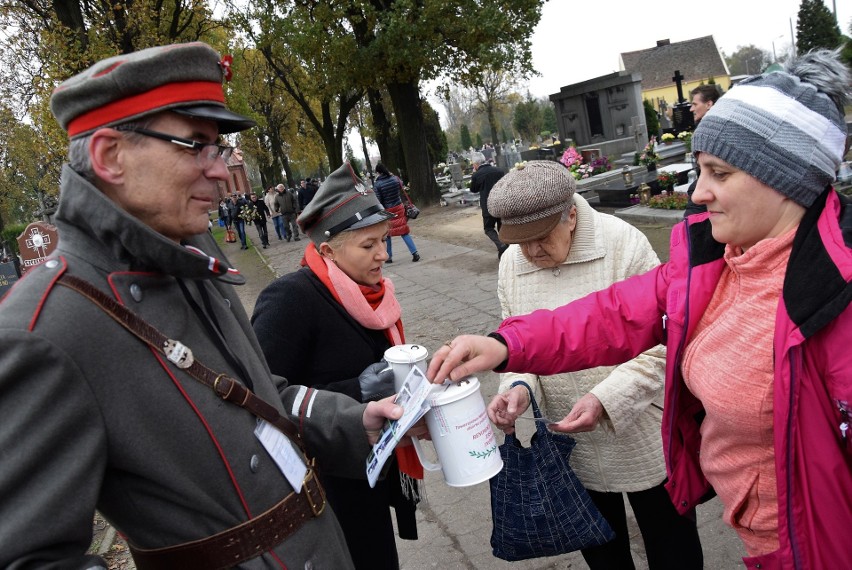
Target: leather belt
(243,542)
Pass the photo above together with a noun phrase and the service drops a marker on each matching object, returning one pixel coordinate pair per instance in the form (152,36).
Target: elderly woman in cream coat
(563,250)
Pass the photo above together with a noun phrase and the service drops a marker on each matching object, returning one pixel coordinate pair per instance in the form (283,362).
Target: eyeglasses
(205,153)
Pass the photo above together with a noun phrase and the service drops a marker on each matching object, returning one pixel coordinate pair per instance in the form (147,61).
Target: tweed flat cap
(785,128)
(343,202)
(529,201)
(184,78)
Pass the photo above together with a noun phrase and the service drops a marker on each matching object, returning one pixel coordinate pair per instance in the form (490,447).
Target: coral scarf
(374,308)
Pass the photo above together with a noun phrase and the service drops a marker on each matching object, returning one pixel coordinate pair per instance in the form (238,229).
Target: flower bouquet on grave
(686,137)
(573,161)
(669,201)
(666,180)
(571,157)
(649,157)
(667,138)
(600,165)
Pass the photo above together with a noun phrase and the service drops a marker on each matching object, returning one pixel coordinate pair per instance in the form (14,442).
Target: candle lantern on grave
(627,175)
(644,194)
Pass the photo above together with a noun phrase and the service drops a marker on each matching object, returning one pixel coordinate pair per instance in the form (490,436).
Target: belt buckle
(311,475)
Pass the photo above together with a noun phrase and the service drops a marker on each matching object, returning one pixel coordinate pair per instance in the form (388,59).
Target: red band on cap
(165,95)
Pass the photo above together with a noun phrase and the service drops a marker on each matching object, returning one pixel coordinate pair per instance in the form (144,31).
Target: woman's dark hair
(381,169)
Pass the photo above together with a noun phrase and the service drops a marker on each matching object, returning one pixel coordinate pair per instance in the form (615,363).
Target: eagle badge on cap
(225,64)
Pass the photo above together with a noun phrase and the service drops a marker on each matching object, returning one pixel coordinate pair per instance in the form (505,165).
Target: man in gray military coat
(95,418)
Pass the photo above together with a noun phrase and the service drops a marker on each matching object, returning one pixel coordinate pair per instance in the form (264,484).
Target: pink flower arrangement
(570,157)
(573,161)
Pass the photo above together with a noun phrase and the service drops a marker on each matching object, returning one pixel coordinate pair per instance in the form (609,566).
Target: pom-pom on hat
(530,200)
(343,202)
(784,128)
(184,78)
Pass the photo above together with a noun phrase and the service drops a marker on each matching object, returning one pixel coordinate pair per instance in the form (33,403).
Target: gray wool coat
(91,418)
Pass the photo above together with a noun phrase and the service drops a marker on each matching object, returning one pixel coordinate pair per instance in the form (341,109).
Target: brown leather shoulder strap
(181,356)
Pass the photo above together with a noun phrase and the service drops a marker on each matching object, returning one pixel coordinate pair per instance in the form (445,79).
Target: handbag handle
(407,197)
(539,426)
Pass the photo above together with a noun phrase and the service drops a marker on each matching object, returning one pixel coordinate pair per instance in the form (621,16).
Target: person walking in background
(565,250)
(287,202)
(186,469)
(754,307)
(258,217)
(388,189)
(703,99)
(484,178)
(235,208)
(330,321)
(277,219)
(307,190)
(223,214)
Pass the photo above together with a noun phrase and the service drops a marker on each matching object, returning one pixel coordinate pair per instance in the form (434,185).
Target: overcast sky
(572,44)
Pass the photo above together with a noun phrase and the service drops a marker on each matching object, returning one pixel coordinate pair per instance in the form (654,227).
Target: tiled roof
(696,59)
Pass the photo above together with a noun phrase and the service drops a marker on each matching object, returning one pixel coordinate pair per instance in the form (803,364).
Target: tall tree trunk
(382,127)
(70,14)
(331,140)
(367,162)
(290,182)
(492,124)
(409,119)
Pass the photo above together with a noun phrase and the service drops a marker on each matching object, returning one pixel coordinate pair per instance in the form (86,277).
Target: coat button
(228,302)
(254,463)
(136,292)
(683,503)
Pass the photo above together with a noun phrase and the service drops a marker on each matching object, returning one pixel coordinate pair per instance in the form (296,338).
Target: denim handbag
(538,505)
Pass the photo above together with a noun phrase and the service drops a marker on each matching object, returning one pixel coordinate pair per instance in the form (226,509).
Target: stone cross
(678,78)
(637,128)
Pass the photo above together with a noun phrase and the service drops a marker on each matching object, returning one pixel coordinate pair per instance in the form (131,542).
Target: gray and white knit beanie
(786,129)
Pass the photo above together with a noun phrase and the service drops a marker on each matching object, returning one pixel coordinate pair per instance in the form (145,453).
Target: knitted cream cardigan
(624,453)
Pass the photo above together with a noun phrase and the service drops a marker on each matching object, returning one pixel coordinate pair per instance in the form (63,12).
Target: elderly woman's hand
(465,355)
(505,408)
(584,416)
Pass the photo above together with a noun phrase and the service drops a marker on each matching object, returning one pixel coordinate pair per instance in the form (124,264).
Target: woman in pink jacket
(754,307)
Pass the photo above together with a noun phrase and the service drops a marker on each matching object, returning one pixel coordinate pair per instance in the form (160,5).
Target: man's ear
(105,151)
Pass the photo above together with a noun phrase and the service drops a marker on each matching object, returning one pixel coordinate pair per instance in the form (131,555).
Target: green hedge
(9,236)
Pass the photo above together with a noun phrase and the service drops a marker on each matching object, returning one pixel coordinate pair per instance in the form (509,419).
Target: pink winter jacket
(813,370)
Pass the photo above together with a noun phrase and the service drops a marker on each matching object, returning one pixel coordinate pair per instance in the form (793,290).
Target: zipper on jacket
(794,546)
(665,330)
(677,376)
(843,408)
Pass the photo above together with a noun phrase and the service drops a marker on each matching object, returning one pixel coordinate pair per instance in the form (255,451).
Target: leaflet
(412,397)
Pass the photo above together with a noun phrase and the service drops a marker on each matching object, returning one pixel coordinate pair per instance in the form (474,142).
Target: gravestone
(456,173)
(8,276)
(36,242)
(637,129)
(683,118)
(665,122)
